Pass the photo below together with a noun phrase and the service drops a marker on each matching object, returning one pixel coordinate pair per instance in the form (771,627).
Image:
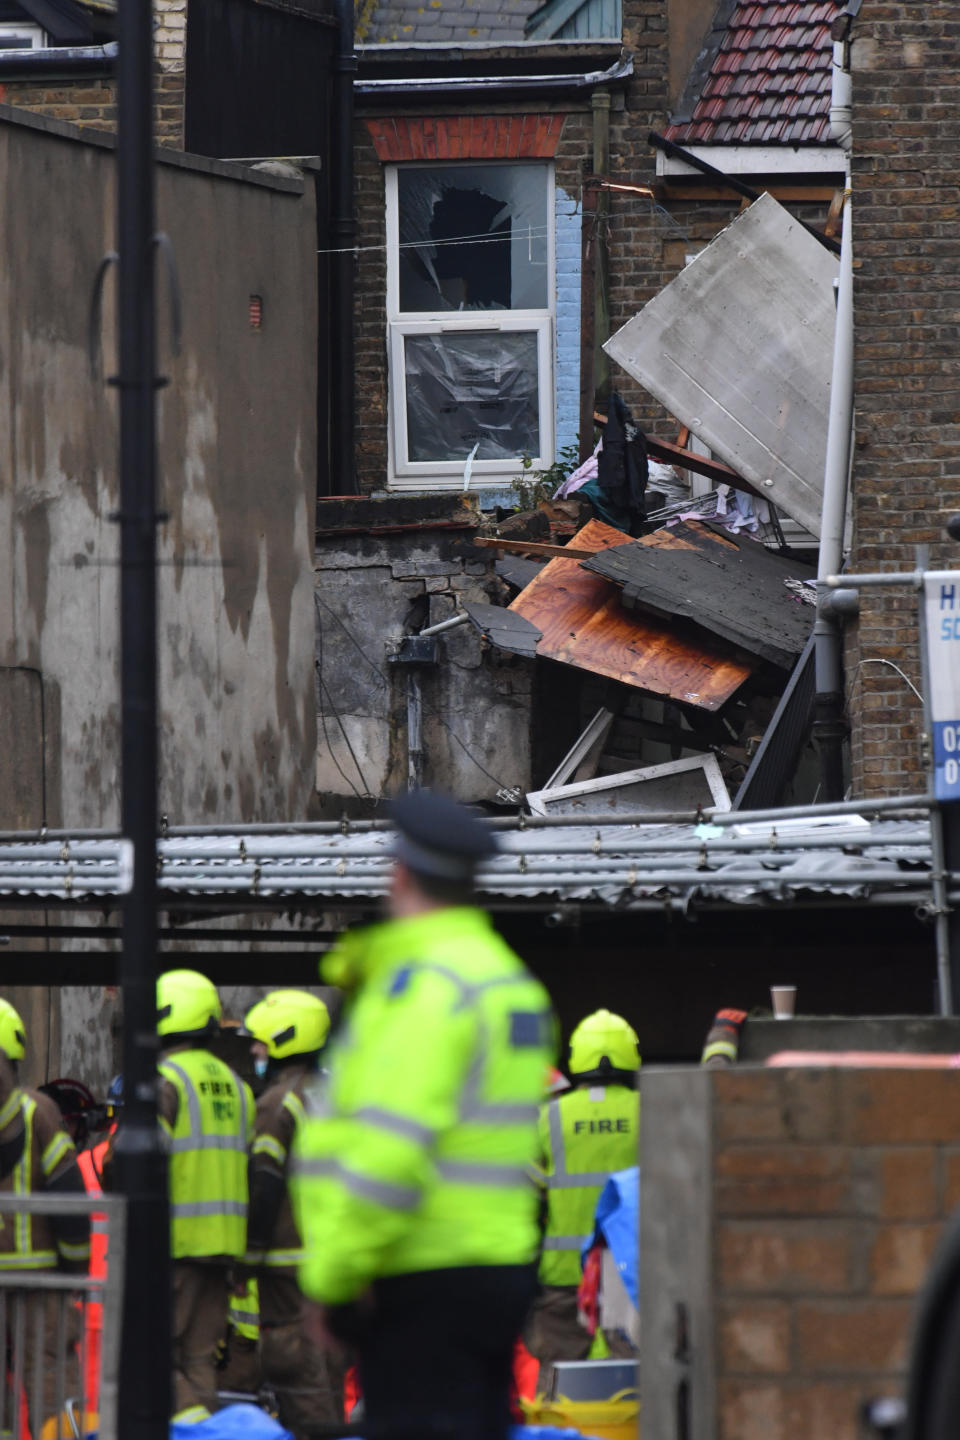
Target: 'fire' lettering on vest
(602,1127)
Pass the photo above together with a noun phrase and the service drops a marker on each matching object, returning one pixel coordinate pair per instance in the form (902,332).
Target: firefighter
(288,1029)
(81,1115)
(586,1133)
(207,1118)
(411,1186)
(36,1156)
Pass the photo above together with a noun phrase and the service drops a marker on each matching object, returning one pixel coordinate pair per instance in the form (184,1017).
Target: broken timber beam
(714,470)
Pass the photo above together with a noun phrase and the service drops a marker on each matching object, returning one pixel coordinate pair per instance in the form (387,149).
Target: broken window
(470,296)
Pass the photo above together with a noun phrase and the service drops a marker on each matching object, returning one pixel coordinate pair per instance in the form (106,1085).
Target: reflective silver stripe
(269,1145)
(194,1209)
(244,1317)
(499,1112)
(99,1227)
(206,1142)
(395,1124)
(194,1118)
(597,1093)
(565,1242)
(294,1106)
(283,1257)
(560,1178)
(380,1192)
(476,1172)
(584,1180)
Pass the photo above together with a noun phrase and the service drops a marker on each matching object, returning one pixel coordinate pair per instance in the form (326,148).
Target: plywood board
(729,585)
(739,346)
(583,623)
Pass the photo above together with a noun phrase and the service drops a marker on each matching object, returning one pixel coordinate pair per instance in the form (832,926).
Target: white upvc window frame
(23,29)
(404,474)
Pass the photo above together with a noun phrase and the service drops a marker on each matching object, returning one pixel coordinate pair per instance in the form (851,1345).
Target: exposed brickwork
(907,458)
(829,1190)
(466,137)
(572,153)
(91,101)
(93,105)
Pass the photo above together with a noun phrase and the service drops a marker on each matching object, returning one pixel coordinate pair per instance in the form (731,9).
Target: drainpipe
(829,726)
(342,240)
(600,104)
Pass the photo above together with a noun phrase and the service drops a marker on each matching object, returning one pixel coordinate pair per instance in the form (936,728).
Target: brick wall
(906,473)
(91,101)
(822,1196)
(572,160)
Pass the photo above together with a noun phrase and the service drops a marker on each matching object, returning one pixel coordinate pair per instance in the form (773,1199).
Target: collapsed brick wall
(823,1195)
(906,470)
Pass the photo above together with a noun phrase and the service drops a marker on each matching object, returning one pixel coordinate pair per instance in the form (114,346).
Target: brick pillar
(788,1220)
(906,471)
(170,43)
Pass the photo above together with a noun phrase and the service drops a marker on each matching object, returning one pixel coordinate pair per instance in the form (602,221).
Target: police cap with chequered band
(439,837)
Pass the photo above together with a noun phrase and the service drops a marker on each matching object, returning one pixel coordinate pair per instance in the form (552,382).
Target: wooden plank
(583,623)
(679,454)
(534,548)
(734,590)
(739,346)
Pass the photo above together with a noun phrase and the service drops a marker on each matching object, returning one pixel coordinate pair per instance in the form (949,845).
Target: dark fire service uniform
(38,1157)
(307,1381)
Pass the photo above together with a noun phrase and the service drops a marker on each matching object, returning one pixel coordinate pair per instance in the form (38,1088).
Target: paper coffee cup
(783,999)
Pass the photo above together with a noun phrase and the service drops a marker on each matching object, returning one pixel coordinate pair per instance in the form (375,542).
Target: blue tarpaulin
(234,1422)
(617,1223)
(248,1422)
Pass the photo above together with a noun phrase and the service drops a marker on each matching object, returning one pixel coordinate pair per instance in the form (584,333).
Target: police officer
(36,1156)
(288,1029)
(418,1219)
(207,1118)
(586,1134)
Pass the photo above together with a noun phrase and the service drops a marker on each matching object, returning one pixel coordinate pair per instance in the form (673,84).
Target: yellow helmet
(603,1037)
(187,1003)
(13,1039)
(289,1022)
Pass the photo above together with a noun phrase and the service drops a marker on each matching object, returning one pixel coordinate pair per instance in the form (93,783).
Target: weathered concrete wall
(237,475)
(382,578)
(824,1192)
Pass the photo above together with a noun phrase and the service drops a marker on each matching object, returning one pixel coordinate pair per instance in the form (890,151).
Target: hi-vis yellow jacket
(417,1153)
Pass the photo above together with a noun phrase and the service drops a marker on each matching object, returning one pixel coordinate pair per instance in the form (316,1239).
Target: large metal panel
(739,347)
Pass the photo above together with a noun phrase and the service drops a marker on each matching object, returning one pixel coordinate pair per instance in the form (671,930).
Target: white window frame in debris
(464,335)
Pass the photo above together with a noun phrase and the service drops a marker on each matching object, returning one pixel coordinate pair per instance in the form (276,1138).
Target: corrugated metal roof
(767,80)
(788,861)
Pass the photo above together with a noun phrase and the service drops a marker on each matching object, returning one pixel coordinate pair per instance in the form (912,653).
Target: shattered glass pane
(473,237)
(467,387)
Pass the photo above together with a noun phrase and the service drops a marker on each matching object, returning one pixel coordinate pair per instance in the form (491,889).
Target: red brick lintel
(467,137)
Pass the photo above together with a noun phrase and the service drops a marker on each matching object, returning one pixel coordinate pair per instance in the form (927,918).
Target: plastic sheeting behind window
(473,237)
(463,388)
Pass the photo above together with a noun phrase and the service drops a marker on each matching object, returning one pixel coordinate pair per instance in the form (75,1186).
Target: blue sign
(942,607)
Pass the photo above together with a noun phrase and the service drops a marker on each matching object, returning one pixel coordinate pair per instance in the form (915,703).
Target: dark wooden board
(726,584)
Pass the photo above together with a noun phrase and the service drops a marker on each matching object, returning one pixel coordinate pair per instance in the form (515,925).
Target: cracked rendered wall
(370,592)
(236,467)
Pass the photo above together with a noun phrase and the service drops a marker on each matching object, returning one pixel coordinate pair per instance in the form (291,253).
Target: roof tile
(770,77)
